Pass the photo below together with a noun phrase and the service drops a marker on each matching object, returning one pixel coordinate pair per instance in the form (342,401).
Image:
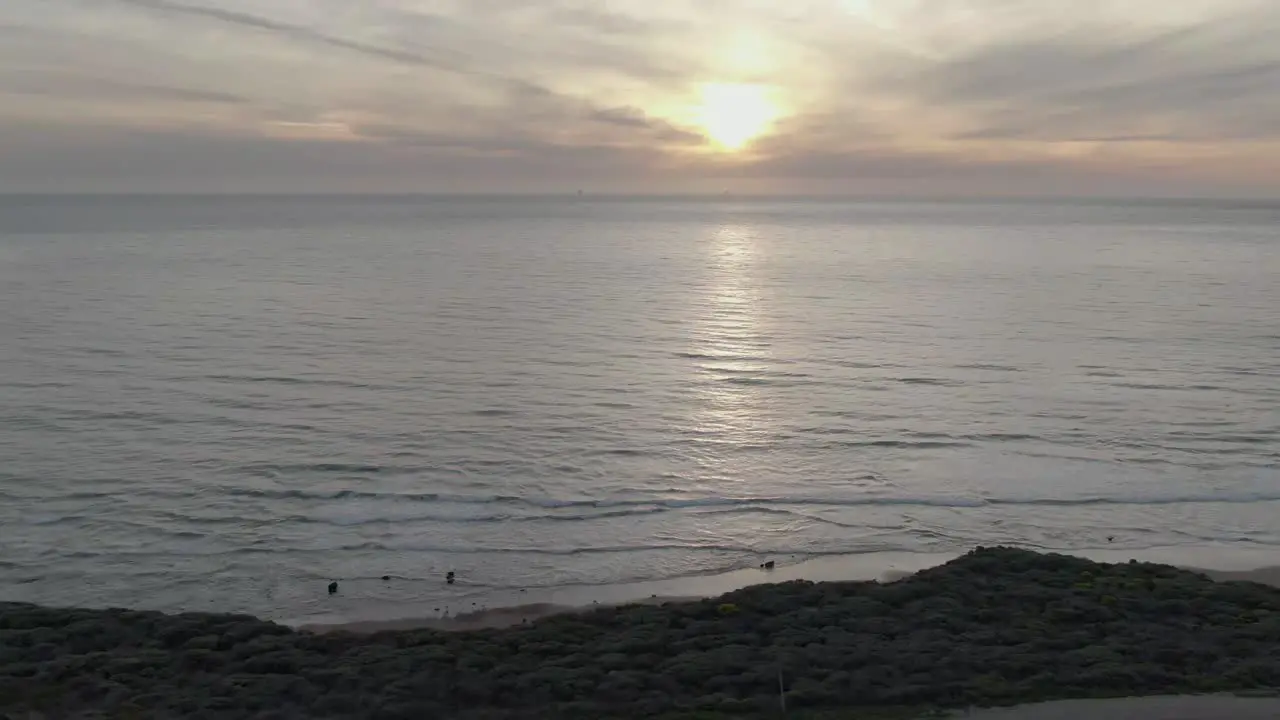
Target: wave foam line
(775,501)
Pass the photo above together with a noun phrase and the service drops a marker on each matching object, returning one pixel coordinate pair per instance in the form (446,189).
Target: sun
(731,115)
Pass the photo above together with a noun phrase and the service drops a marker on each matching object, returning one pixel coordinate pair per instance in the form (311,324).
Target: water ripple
(214,404)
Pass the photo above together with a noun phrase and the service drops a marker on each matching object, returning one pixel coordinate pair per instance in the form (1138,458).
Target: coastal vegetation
(996,626)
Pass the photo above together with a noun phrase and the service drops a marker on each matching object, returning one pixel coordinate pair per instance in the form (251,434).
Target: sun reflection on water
(732,354)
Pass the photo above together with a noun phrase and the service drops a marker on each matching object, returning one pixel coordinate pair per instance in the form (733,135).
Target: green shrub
(995,626)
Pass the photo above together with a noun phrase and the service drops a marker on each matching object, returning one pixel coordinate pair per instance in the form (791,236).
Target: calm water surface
(222,403)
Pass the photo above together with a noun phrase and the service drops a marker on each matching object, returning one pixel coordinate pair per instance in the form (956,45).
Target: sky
(863,97)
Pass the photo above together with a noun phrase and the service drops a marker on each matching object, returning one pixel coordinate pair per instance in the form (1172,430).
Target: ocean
(224,403)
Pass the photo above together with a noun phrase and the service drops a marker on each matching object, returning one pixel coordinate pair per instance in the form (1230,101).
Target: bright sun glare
(734,114)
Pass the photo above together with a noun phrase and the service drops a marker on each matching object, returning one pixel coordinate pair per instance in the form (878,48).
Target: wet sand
(1266,576)
(882,569)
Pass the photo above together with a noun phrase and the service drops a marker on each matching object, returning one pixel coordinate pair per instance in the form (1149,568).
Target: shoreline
(1220,563)
(996,627)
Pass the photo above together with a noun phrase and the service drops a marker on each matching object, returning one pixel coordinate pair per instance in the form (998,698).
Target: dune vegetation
(996,626)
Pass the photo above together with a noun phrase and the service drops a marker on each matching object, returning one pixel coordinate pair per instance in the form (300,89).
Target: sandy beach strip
(853,568)
(1265,576)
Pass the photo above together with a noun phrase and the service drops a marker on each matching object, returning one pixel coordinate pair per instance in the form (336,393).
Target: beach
(610,417)
(1235,564)
(661,360)
(994,627)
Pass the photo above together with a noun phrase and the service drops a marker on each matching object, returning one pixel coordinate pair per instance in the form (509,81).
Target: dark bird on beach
(1111,538)
(333,587)
(386,578)
(768,565)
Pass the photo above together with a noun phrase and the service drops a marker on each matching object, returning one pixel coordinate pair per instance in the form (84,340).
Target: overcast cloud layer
(1079,97)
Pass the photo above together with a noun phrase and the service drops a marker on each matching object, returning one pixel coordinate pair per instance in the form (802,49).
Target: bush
(995,626)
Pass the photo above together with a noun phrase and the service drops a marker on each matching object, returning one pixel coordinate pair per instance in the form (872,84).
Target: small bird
(385,578)
(768,565)
(1111,538)
(333,587)
(449,577)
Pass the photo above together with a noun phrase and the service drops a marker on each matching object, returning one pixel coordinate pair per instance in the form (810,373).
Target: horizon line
(695,196)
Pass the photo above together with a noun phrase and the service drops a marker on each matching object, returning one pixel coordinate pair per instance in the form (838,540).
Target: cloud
(295,32)
(972,95)
(637,119)
(447,62)
(45,84)
(1212,80)
(524,92)
(596,20)
(387,161)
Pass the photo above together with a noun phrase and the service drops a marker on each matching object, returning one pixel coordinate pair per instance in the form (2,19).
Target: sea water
(223,403)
